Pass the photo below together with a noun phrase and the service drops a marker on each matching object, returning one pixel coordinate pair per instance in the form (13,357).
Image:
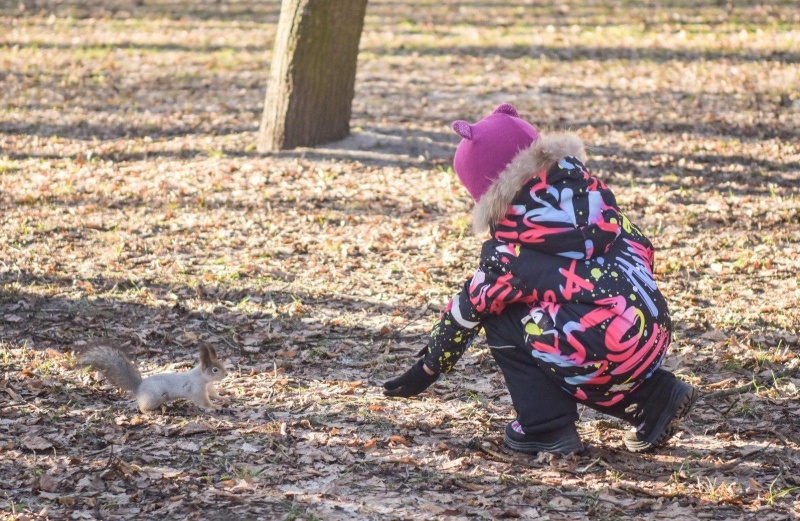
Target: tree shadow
(88,132)
(140,47)
(512,52)
(123,9)
(384,146)
(58,322)
(589,53)
(738,174)
(571,13)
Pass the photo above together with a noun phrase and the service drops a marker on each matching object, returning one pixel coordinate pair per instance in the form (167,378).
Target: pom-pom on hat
(488,146)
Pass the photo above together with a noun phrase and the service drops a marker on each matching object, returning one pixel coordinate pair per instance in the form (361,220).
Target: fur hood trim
(539,157)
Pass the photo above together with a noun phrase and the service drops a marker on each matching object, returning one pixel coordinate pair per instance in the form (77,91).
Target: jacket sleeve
(488,292)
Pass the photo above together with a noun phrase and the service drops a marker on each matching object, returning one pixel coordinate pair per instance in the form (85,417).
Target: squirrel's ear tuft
(205,356)
(463,129)
(506,108)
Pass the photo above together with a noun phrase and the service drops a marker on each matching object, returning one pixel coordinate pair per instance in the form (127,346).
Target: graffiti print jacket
(559,244)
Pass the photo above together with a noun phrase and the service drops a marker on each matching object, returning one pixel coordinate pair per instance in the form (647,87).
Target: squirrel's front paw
(210,406)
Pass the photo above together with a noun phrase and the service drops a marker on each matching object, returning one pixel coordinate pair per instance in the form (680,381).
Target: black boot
(563,440)
(654,410)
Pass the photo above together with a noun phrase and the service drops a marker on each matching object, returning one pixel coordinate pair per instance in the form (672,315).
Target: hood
(539,157)
(555,206)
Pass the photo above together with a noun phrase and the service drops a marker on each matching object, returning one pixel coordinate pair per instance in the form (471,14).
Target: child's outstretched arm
(488,292)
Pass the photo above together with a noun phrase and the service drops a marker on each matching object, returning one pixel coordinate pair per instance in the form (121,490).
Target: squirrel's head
(211,365)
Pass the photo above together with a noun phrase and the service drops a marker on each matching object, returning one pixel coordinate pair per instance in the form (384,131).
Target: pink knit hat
(489,146)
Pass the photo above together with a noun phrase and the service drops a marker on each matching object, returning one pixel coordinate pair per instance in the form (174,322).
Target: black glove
(410,383)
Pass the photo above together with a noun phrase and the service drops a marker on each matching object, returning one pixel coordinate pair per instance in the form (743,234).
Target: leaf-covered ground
(134,205)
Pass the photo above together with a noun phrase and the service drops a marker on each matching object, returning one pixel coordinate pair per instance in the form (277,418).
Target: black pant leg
(648,396)
(540,403)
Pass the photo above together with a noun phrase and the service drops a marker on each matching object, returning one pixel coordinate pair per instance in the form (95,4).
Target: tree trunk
(312,77)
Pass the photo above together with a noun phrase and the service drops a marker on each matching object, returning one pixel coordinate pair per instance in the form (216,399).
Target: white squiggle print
(639,275)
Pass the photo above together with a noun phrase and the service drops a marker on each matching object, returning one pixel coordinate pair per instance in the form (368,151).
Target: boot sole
(684,397)
(564,446)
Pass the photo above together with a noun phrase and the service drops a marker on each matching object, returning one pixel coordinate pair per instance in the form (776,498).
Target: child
(565,292)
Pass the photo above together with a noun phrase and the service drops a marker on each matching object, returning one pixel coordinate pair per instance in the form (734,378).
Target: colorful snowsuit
(596,323)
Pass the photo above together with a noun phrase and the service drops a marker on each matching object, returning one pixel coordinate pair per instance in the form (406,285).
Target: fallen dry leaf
(399,439)
(36,443)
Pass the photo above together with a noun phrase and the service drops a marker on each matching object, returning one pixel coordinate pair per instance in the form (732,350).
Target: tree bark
(312,76)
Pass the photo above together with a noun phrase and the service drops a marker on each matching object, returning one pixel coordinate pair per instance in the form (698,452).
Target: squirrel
(154,391)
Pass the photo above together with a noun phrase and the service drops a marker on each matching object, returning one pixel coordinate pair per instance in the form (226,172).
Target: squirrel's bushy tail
(113,362)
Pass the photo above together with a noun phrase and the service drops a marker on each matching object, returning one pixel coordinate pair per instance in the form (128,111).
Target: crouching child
(564,291)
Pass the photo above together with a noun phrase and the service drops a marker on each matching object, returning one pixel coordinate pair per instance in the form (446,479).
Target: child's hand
(412,382)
